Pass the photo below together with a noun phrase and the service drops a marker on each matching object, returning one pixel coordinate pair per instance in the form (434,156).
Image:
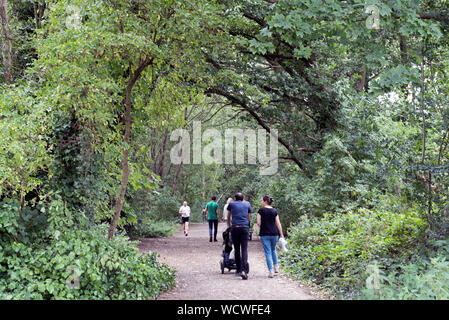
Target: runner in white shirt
(184,211)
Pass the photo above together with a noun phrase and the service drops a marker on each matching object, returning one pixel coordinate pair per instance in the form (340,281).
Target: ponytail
(268,199)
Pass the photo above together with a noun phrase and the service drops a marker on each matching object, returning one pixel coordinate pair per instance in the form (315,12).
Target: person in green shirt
(213,217)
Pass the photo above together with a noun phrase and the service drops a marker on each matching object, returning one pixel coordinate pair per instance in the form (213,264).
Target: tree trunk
(178,168)
(423,129)
(39,8)
(160,168)
(7,39)
(361,84)
(127,119)
(175,179)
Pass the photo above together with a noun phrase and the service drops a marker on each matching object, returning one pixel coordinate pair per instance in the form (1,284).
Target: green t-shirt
(212,210)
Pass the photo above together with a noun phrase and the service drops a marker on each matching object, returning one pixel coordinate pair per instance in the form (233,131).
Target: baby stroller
(228,260)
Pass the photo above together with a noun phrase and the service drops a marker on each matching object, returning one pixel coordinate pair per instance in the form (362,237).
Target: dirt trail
(199,276)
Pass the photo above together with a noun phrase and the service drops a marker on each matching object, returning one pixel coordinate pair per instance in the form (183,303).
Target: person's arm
(180,210)
(259,220)
(279,226)
(218,215)
(229,218)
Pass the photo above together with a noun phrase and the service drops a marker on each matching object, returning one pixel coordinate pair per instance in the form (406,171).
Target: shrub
(149,228)
(334,251)
(69,249)
(425,278)
(156,205)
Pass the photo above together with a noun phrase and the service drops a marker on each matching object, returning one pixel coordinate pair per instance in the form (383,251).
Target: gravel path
(199,276)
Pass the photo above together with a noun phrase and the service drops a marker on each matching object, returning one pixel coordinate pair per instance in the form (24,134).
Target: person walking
(239,215)
(270,231)
(213,217)
(225,212)
(184,211)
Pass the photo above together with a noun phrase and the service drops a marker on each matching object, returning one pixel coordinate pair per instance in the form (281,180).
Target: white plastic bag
(283,244)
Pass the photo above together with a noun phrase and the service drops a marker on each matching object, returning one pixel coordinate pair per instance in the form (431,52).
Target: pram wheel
(222,267)
(247,267)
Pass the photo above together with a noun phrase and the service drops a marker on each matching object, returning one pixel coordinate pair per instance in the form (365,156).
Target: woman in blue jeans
(270,231)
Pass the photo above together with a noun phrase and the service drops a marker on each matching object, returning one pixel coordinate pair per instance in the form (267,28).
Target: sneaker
(187,234)
(244,275)
(276,269)
(271,274)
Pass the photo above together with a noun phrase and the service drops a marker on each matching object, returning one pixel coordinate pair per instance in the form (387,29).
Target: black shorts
(185,219)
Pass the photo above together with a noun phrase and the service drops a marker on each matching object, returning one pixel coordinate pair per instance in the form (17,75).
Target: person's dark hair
(268,199)
(239,196)
(214,198)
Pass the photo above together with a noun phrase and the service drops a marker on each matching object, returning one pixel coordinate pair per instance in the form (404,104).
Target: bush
(334,251)
(156,205)
(149,228)
(196,211)
(69,249)
(425,278)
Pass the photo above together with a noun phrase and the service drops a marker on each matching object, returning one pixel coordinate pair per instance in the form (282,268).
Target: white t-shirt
(225,212)
(185,211)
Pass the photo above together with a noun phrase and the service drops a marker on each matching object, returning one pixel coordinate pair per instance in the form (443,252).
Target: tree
(7,39)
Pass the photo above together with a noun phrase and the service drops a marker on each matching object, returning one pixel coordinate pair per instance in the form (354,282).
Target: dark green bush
(334,251)
(149,228)
(426,277)
(68,248)
(155,205)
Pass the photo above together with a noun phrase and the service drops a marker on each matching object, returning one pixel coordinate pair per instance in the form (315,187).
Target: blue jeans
(213,224)
(269,246)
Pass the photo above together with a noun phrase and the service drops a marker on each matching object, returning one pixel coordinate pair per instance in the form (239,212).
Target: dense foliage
(335,251)
(45,252)
(91,92)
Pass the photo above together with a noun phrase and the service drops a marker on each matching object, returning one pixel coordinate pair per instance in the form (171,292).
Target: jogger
(184,211)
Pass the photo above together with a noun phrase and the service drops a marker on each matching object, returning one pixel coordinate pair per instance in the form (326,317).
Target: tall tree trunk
(125,167)
(178,168)
(203,182)
(361,84)
(7,51)
(423,129)
(160,168)
(39,9)
(175,179)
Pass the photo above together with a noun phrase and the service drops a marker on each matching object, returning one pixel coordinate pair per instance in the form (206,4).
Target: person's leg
(215,229)
(226,258)
(235,234)
(187,227)
(274,255)
(244,245)
(210,229)
(266,244)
